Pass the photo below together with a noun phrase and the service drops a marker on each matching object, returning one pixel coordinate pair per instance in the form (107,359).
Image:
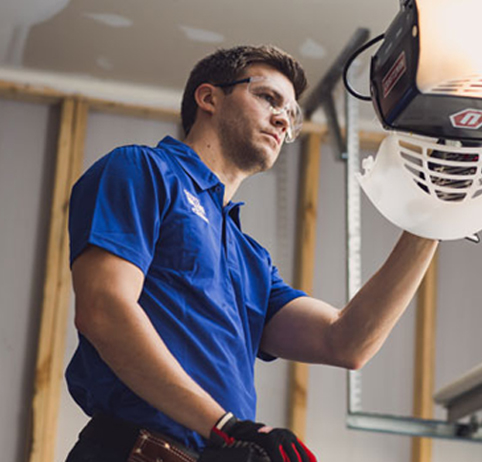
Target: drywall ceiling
(156,42)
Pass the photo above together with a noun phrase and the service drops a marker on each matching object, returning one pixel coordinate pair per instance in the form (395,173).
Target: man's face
(251,134)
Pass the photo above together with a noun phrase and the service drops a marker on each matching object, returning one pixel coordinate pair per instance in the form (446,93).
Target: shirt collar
(197,170)
(233,210)
(191,163)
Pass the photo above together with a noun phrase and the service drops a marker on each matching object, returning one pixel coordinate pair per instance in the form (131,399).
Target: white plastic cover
(429,189)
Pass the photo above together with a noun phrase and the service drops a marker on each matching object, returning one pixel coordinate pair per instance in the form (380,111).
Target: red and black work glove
(279,444)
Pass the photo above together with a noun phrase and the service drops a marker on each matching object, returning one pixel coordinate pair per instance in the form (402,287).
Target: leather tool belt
(151,447)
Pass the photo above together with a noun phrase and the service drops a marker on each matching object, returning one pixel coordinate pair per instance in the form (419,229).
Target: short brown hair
(227,65)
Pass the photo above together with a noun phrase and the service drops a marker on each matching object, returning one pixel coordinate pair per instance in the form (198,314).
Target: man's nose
(281,119)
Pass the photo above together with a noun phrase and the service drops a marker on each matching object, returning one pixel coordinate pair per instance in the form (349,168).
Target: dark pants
(99,443)
(87,451)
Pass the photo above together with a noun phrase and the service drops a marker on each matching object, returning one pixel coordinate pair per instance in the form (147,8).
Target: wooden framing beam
(312,127)
(305,250)
(55,302)
(371,140)
(29,93)
(425,359)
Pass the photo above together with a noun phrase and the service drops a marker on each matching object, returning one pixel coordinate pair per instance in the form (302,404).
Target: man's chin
(257,157)
(265,159)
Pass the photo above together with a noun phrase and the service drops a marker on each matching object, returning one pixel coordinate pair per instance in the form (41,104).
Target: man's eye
(268,98)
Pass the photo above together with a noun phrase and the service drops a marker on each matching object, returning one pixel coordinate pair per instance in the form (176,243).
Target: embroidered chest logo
(197,208)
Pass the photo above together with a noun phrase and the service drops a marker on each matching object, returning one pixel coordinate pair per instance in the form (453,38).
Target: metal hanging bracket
(322,95)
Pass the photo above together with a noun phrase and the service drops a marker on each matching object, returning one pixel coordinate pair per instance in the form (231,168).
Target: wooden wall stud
(55,302)
(425,359)
(305,250)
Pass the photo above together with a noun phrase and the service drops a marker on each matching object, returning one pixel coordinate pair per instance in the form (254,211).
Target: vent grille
(451,174)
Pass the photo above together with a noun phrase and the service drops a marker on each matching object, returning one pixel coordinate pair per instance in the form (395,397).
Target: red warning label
(394,74)
(468,118)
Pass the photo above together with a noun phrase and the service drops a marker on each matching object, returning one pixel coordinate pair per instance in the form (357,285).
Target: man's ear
(206,97)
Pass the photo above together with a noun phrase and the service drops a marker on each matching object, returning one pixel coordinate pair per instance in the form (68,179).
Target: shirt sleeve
(117,206)
(281,294)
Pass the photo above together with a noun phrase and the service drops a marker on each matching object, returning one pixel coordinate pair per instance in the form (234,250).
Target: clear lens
(296,122)
(266,92)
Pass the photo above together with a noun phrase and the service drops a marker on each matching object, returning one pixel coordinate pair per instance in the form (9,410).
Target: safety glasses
(270,97)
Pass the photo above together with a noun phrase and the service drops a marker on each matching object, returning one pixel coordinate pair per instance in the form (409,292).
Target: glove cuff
(225,422)
(220,432)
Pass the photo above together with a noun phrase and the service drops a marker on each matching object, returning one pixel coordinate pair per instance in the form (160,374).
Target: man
(174,302)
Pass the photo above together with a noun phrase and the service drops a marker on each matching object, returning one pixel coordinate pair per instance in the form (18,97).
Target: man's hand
(279,444)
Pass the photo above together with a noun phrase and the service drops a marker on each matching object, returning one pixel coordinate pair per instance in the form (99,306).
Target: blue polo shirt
(209,288)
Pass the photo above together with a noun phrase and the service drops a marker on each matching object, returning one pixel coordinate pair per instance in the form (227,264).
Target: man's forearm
(366,321)
(126,340)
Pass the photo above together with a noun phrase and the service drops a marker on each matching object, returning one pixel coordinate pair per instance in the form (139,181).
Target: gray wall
(27,145)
